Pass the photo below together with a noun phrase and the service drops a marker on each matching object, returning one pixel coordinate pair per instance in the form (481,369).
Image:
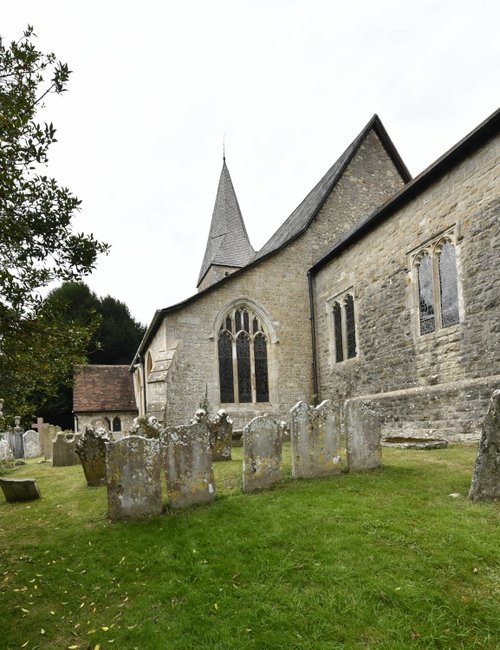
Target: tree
(114,339)
(37,242)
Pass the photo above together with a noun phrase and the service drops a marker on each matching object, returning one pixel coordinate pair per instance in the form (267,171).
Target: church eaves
(228,243)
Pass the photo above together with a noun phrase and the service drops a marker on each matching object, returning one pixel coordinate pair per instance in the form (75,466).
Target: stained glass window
(243,361)
(350,326)
(337,332)
(243,358)
(226,380)
(261,377)
(426,295)
(448,285)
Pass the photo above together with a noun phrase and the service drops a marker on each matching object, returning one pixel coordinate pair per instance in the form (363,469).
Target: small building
(104,396)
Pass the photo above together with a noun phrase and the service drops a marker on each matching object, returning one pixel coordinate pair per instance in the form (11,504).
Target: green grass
(382,559)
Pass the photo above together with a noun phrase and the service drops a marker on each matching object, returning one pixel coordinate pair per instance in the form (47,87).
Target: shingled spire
(228,247)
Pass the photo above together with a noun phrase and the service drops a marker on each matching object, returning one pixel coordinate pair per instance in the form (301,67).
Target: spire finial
(224,148)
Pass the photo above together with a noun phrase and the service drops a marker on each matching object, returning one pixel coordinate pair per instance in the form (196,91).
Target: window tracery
(344,326)
(243,358)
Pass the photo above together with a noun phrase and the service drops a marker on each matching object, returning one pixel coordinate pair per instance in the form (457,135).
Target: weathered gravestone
(188,464)
(486,480)
(363,435)
(221,436)
(47,436)
(63,450)
(91,449)
(315,435)
(20,489)
(31,443)
(16,442)
(6,455)
(261,453)
(133,474)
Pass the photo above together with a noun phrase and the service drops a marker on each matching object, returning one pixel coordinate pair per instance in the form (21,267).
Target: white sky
(290,83)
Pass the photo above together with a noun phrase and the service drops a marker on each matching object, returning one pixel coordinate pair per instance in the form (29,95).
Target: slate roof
(305,212)
(103,388)
(228,243)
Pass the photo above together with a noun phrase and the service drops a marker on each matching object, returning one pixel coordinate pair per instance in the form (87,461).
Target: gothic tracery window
(437,285)
(243,358)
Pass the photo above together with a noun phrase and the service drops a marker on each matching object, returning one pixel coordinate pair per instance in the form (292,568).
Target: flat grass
(380,559)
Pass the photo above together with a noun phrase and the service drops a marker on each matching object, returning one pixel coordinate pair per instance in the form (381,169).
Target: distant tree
(37,241)
(114,338)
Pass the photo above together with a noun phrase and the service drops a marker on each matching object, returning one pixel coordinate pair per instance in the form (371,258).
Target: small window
(117,424)
(344,327)
(435,272)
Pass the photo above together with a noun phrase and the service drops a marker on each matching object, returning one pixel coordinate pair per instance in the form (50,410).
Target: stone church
(377,287)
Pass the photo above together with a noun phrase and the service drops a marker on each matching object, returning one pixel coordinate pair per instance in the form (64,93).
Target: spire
(228,243)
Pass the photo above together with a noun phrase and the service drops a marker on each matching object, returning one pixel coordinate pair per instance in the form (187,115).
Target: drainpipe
(313,338)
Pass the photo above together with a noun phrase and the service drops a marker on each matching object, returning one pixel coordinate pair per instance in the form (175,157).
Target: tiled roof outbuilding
(103,388)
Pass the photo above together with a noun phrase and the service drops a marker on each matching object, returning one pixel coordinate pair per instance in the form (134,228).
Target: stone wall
(91,420)
(441,381)
(184,350)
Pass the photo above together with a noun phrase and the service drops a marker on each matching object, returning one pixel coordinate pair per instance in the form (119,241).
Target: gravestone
(31,443)
(363,435)
(261,453)
(187,460)
(6,455)
(47,437)
(20,489)
(91,449)
(486,479)
(63,449)
(315,436)
(133,474)
(221,436)
(16,442)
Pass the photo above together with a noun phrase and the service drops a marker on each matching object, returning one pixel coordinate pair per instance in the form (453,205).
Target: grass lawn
(381,559)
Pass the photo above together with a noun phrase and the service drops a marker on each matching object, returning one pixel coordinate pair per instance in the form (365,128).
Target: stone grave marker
(221,436)
(486,479)
(91,449)
(6,455)
(261,453)
(20,489)
(315,436)
(47,437)
(63,449)
(31,443)
(363,435)
(187,460)
(133,474)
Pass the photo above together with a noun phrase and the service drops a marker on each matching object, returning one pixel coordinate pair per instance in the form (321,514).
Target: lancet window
(437,285)
(243,358)
(344,327)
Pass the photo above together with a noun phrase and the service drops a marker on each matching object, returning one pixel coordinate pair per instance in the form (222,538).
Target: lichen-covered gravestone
(261,453)
(31,443)
(486,480)
(315,435)
(133,474)
(188,464)
(19,489)
(91,449)
(221,436)
(363,435)
(63,450)
(6,455)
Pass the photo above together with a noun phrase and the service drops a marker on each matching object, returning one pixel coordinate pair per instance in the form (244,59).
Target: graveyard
(393,557)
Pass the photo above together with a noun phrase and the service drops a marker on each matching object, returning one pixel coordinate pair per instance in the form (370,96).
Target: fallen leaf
(104,629)
(25,644)
(25,610)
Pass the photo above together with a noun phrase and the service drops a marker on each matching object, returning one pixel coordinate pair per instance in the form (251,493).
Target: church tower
(228,247)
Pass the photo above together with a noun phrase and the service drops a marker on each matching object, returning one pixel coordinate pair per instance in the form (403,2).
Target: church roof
(305,212)
(228,243)
(103,388)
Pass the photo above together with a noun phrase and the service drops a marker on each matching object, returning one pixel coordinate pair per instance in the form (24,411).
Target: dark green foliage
(37,242)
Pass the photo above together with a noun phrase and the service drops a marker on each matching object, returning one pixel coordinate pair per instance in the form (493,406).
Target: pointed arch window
(117,424)
(344,326)
(437,285)
(243,358)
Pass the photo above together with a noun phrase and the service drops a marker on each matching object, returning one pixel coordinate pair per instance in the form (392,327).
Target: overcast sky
(157,85)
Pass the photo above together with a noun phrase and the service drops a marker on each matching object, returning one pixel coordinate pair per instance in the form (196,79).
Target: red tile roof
(103,388)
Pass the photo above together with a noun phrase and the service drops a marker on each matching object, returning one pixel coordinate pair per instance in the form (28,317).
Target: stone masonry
(486,480)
